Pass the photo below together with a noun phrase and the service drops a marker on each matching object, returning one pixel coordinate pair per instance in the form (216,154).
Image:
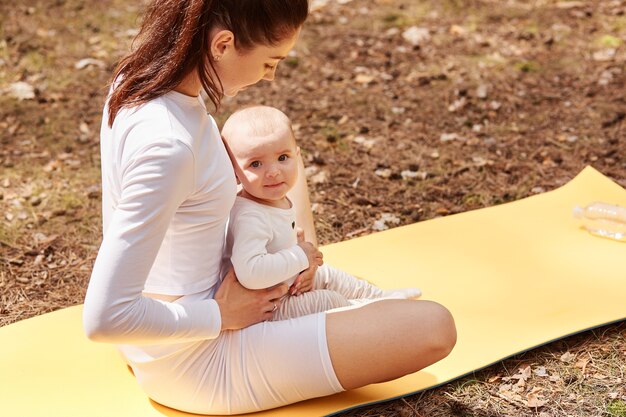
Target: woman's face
(240,69)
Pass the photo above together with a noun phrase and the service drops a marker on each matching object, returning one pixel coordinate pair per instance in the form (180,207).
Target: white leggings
(332,288)
(263,366)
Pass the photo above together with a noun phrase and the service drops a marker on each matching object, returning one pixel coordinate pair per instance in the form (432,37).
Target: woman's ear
(221,43)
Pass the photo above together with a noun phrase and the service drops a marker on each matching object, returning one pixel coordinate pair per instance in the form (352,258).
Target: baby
(262,240)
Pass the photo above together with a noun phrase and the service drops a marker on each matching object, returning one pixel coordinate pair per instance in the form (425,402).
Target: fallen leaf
(408,174)
(383,172)
(311,170)
(416,36)
(458,31)
(567,357)
(495,105)
(42,33)
(457,105)
(385,218)
(481,91)
(605,78)
(39,259)
(604,55)
(366,143)
(505,387)
(364,79)
(130,33)
(525,372)
(479,161)
(317,5)
(84,128)
(582,364)
(565,5)
(94,192)
(391,32)
(86,62)
(510,393)
(447,137)
(42,241)
(22,90)
(52,166)
(320,177)
(535,400)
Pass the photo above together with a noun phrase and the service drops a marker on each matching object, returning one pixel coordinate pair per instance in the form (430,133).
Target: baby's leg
(353,288)
(314,301)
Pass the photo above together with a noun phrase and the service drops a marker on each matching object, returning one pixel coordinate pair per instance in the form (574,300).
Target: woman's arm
(155,180)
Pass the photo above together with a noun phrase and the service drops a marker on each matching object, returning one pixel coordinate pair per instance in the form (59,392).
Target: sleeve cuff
(205,318)
(214,319)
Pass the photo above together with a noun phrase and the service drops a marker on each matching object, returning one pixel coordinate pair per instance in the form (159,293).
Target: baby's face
(267,166)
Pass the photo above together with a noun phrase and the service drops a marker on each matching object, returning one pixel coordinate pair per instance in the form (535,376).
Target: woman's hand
(241,307)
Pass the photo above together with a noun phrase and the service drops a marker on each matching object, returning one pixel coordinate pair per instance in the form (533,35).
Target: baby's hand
(314,256)
(304,282)
(300,234)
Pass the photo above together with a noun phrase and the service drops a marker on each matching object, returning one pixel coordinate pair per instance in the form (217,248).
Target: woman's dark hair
(174,40)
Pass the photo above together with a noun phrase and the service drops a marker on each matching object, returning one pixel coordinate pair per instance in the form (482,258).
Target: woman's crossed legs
(403,335)
(272,364)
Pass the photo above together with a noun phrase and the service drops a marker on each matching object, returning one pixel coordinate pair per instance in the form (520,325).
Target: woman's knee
(442,328)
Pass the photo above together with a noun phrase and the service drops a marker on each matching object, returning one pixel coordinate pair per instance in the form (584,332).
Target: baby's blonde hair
(255,121)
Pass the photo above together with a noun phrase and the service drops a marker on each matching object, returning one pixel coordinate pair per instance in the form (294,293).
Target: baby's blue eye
(255,164)
(282,158)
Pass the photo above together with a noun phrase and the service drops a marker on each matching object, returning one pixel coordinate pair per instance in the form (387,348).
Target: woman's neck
(190,85)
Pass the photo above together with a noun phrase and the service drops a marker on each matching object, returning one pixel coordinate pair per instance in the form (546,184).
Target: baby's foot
(402,293)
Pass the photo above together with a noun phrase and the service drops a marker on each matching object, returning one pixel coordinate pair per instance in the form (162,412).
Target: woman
(196,342)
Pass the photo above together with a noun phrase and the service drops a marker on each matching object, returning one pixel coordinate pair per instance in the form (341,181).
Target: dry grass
(535,57)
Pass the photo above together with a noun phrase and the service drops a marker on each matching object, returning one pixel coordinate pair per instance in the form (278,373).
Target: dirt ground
(417,109)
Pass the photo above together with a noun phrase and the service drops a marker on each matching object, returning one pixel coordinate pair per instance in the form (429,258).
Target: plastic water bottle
(603,219)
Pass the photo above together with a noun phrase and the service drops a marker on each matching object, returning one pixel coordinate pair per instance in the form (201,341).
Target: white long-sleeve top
(167,190)
(262,244)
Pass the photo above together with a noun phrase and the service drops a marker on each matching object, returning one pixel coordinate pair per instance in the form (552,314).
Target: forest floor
(417,109)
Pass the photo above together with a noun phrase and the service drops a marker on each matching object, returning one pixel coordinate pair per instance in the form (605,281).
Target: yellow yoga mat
(515,276)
